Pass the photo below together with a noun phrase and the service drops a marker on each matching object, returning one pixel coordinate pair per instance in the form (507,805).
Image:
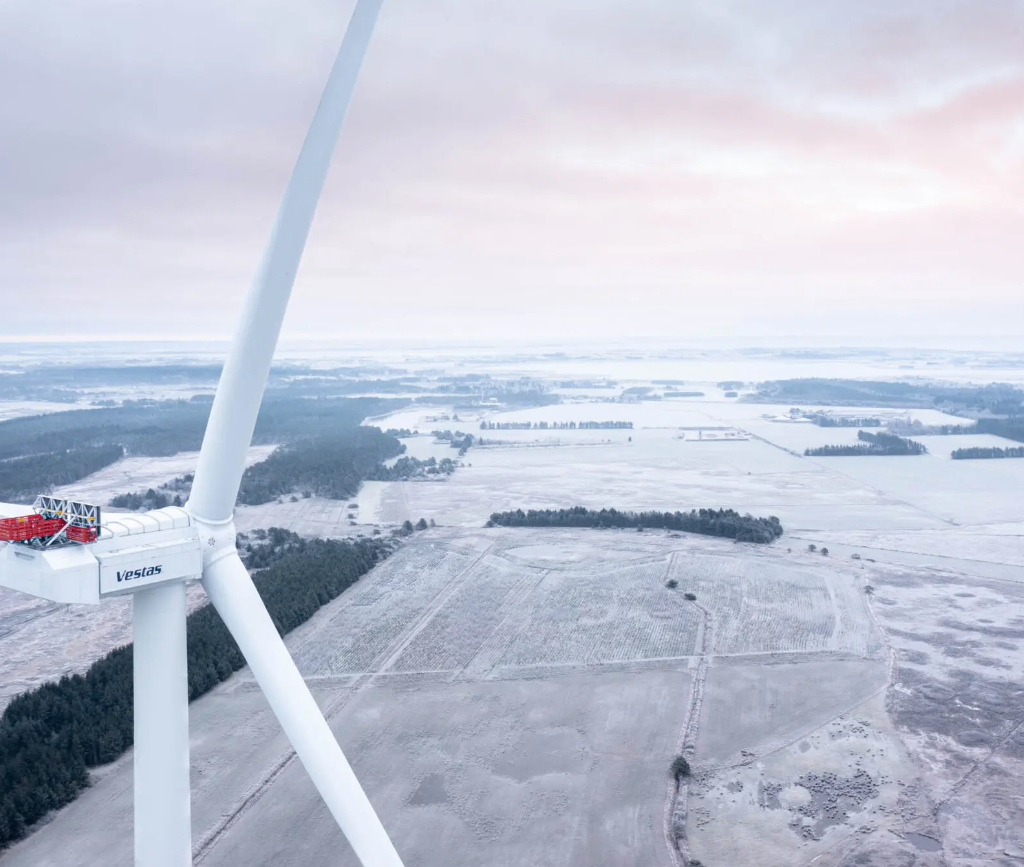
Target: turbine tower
(63,552)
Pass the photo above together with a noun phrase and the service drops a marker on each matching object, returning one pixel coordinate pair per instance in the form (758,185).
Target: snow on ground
(497,687)
(139,473)
(648,467)
(20,408)
(40,640)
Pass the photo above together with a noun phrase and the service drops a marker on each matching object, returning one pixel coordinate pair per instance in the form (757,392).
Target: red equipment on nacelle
(55,521)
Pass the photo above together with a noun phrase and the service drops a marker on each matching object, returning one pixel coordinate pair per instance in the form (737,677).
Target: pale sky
(532,169)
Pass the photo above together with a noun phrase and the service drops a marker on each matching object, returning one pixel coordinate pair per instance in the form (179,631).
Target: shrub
(690,597)
(812,547)
(671,583)
(824,552)
(680,768)
(421,524)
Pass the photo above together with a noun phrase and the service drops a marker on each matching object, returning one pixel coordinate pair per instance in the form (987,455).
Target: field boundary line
(427,615)
(498,646)
(678,790)
(256,792)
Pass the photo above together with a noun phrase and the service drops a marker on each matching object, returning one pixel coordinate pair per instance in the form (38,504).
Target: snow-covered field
(496,687)
(515,696)
(648,467)
(20,408)
(139,473)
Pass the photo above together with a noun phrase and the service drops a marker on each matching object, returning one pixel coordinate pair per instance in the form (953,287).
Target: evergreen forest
(38,453)
(51,736)
(726,523)
(331,465)
(871,444)
(23,479)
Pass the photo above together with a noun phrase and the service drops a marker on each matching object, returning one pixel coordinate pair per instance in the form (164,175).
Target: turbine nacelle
(133,552)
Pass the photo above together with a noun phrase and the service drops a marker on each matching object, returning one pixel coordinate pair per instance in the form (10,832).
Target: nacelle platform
(133,551)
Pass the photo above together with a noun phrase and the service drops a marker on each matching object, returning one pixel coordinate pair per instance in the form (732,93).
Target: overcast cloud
(520,167)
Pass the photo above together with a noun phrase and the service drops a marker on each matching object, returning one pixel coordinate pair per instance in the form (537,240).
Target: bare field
(139,473)
(40,641)
(956,700)
(760,605)
(516,697)
(655,471)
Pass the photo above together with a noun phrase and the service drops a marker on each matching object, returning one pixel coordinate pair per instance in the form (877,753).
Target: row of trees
(987,453)
(915,427)
(824,419)
(23,479)
(871,444)
(556,425)
(51,736)
(726,523)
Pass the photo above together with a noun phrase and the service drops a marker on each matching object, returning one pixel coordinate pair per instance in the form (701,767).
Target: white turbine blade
(237,403)
(238,603)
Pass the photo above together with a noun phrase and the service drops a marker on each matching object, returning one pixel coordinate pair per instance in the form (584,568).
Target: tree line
(998,399)
(331,466)
(1008,428)
(986,453)
(51,736)
(144,501)
(40,452)
(412,468)
(726,523)
(870,444)
(916,427)
(556,425)
(823,419)
(23,479)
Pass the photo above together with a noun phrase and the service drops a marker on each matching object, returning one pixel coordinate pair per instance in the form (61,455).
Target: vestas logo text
(132,574)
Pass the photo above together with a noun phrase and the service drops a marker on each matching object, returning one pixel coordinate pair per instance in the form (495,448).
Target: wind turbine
(152,555)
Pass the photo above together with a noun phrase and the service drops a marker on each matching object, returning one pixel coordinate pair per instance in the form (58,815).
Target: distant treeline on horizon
(986,453)
(556,425)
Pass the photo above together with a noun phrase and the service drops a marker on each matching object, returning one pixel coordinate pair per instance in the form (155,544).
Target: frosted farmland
(577,598)
(496,686)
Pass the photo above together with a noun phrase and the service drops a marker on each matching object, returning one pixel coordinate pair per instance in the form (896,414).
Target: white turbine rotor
(222,462)
(151,555)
